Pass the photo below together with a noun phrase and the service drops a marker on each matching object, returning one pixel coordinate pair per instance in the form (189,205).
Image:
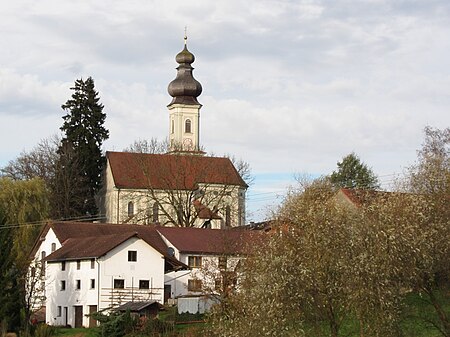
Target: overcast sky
(289,86)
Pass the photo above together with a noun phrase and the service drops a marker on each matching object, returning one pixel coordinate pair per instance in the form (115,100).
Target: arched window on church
(53,247)
(155,212)
(130,208)
(228,216)
(187,126)
(173,126)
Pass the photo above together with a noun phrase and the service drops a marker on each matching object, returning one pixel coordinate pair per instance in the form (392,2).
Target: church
(182,187)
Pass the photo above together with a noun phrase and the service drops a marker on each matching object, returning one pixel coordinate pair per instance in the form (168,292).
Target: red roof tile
(170,171)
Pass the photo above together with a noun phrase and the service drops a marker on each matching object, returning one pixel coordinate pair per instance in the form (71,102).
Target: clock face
(187,144)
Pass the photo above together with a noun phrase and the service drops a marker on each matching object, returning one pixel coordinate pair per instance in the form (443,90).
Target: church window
(53,247)
(155,212)
(173,126)
(130,208)
(227,216)
(187,126)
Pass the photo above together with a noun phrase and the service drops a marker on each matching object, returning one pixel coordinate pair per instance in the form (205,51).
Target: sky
(291,87)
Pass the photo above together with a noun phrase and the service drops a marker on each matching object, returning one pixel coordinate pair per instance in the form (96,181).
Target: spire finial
(185,35)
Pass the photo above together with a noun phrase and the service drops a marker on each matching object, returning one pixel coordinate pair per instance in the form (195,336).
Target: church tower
(184,110)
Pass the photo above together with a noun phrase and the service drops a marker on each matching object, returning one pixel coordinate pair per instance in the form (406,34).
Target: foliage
(44,330)
(9,291)
(430,178)
(25,205)
(352,173)
(115,324)
(84,135)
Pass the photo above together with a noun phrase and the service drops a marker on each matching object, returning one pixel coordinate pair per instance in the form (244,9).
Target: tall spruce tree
(80,150)
(353,173)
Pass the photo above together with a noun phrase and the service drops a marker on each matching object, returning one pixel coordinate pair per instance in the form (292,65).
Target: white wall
(114,265)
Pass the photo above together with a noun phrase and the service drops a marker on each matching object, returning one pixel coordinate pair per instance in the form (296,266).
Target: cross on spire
(185,35)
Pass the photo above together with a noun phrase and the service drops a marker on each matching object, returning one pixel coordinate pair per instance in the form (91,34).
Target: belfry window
(130,208)
(187,126)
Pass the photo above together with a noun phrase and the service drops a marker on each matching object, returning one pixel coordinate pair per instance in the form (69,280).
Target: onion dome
(185,88)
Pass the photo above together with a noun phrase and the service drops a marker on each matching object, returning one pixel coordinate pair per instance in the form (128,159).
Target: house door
(66,316)
(167,292)
(92,321)
(78,316)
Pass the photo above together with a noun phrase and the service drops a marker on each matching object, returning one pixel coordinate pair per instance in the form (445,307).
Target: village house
(91,267)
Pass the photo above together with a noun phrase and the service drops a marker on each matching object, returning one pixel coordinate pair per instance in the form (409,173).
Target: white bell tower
(184,110)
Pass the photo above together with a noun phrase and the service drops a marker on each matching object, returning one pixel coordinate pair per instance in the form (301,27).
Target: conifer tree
(84,134)
(353,173)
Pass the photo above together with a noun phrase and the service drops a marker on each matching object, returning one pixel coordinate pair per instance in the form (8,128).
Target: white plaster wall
(209,271)
(115,265)
(70,297)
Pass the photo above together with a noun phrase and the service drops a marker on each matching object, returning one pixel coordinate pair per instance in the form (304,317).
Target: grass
(78,332)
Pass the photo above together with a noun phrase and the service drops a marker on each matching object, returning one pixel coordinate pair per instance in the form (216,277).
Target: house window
(222,262)
(63,265)
(53,247)
(155,212)
(194,285)
(77,284)
(119,284)
(195,261)
(78,264)
(63,285)
(130,208)
(92,263)
(132,256)
(58,311)
(144,284)
(187,126)
(92,283)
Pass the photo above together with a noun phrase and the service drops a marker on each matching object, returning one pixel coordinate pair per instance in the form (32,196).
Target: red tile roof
(170,171)
(88,247)
(363,197)
(82,230)
(89,240)
(211,241)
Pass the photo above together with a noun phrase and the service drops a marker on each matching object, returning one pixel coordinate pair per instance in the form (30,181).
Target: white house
(91,267)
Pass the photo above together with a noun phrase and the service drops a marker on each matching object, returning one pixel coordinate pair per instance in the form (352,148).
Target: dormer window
(187,126)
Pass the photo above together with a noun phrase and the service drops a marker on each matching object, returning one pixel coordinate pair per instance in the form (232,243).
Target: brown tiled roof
(170,171)
(211,241)
(363,197)
(88,247)
(67,230)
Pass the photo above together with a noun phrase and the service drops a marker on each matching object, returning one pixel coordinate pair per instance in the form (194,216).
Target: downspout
(98,284)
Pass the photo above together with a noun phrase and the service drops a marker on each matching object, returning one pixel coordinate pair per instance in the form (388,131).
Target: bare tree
(37,163)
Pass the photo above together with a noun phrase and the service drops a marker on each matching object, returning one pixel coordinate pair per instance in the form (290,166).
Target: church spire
(184,110)
(185,88)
